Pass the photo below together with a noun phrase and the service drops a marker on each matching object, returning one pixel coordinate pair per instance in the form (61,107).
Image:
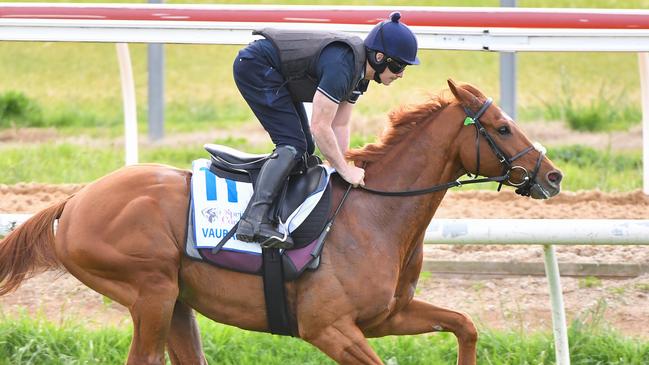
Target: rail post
(643,62)
(560,329)
(128,97)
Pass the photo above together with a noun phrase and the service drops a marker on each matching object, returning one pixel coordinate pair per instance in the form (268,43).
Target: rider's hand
(353,175)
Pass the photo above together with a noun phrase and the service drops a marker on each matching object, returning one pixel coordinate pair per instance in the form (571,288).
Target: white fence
(546,232)
(484,29)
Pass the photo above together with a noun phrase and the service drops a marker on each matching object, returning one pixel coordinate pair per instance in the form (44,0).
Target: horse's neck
(428,158)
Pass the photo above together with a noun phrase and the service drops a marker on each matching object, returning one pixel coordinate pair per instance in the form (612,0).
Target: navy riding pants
(264,89)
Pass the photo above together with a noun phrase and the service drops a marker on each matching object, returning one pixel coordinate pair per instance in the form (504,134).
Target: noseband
(523,188)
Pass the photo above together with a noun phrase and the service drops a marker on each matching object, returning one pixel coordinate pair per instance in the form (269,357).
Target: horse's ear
(453,86)
(464,96)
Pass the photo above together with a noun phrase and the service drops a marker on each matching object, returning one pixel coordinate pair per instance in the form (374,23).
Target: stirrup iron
(278,242)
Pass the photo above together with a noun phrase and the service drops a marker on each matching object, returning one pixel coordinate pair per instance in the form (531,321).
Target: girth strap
(274,293)
(277,315)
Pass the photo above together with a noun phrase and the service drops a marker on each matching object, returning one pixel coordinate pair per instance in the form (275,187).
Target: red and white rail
(493,29)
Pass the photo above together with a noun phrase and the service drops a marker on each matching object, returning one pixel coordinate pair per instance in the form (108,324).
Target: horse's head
(492,144)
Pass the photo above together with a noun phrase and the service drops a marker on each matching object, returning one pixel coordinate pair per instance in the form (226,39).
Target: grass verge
(585,168)
(28,341)
(70,163)
(79,83)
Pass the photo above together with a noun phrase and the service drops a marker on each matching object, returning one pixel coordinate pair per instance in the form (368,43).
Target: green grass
(27,341)
(201,93)
(644,287)
(589,282)
(585,168)
(70,163)
(75,88)
(17,110)
(77,84)
(603,112)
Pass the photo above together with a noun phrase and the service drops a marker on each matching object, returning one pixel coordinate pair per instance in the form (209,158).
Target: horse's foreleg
(422,317)
(184,340)
(345,343)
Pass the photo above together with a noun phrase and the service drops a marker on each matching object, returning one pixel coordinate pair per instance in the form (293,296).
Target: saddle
(276,266)
(306,178)
(308,237)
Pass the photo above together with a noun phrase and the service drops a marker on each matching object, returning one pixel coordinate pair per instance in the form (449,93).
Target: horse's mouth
(537,191)
(545,188)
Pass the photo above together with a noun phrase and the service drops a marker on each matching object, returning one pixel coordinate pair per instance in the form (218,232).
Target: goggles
(395,66)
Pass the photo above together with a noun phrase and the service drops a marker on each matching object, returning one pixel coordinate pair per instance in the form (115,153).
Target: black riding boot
(255,224)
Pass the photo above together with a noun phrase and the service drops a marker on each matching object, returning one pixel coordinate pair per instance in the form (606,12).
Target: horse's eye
(504,130)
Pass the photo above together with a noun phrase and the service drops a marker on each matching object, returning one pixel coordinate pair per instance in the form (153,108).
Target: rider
(276,74)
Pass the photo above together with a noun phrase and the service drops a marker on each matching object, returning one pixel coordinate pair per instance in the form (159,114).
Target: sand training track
(513,302)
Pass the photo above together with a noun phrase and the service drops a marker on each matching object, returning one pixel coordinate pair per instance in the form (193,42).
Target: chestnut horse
(123,236)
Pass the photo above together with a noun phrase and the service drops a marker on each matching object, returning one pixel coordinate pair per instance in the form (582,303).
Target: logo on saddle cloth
(220,196)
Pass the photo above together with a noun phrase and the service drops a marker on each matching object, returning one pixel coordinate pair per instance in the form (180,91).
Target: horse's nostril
(555,177)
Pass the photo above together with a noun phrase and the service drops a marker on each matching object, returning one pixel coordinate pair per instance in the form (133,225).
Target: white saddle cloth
(218,203)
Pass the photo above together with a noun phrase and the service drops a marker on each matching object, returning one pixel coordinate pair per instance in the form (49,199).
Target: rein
(436,188)
(523,188)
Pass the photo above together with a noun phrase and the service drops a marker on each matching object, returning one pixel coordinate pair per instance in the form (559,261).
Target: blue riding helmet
(394,39)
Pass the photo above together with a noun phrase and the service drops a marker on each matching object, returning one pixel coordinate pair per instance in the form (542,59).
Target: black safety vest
(299,52)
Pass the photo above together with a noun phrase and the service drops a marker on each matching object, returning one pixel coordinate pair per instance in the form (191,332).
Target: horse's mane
(401,122)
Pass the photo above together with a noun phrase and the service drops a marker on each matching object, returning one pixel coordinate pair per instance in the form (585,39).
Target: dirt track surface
(513,302)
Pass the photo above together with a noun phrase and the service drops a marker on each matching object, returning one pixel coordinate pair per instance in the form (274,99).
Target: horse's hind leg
(184,340)
(151,312)
(344,342)
(422,317)
(149,294)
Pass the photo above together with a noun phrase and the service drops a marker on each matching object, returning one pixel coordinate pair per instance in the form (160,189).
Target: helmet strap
(377,66)
(377,77)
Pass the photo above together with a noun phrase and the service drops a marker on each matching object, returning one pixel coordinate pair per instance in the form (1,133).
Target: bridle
(523,188)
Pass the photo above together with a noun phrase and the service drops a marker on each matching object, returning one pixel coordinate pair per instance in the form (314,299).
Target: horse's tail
(29,249)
